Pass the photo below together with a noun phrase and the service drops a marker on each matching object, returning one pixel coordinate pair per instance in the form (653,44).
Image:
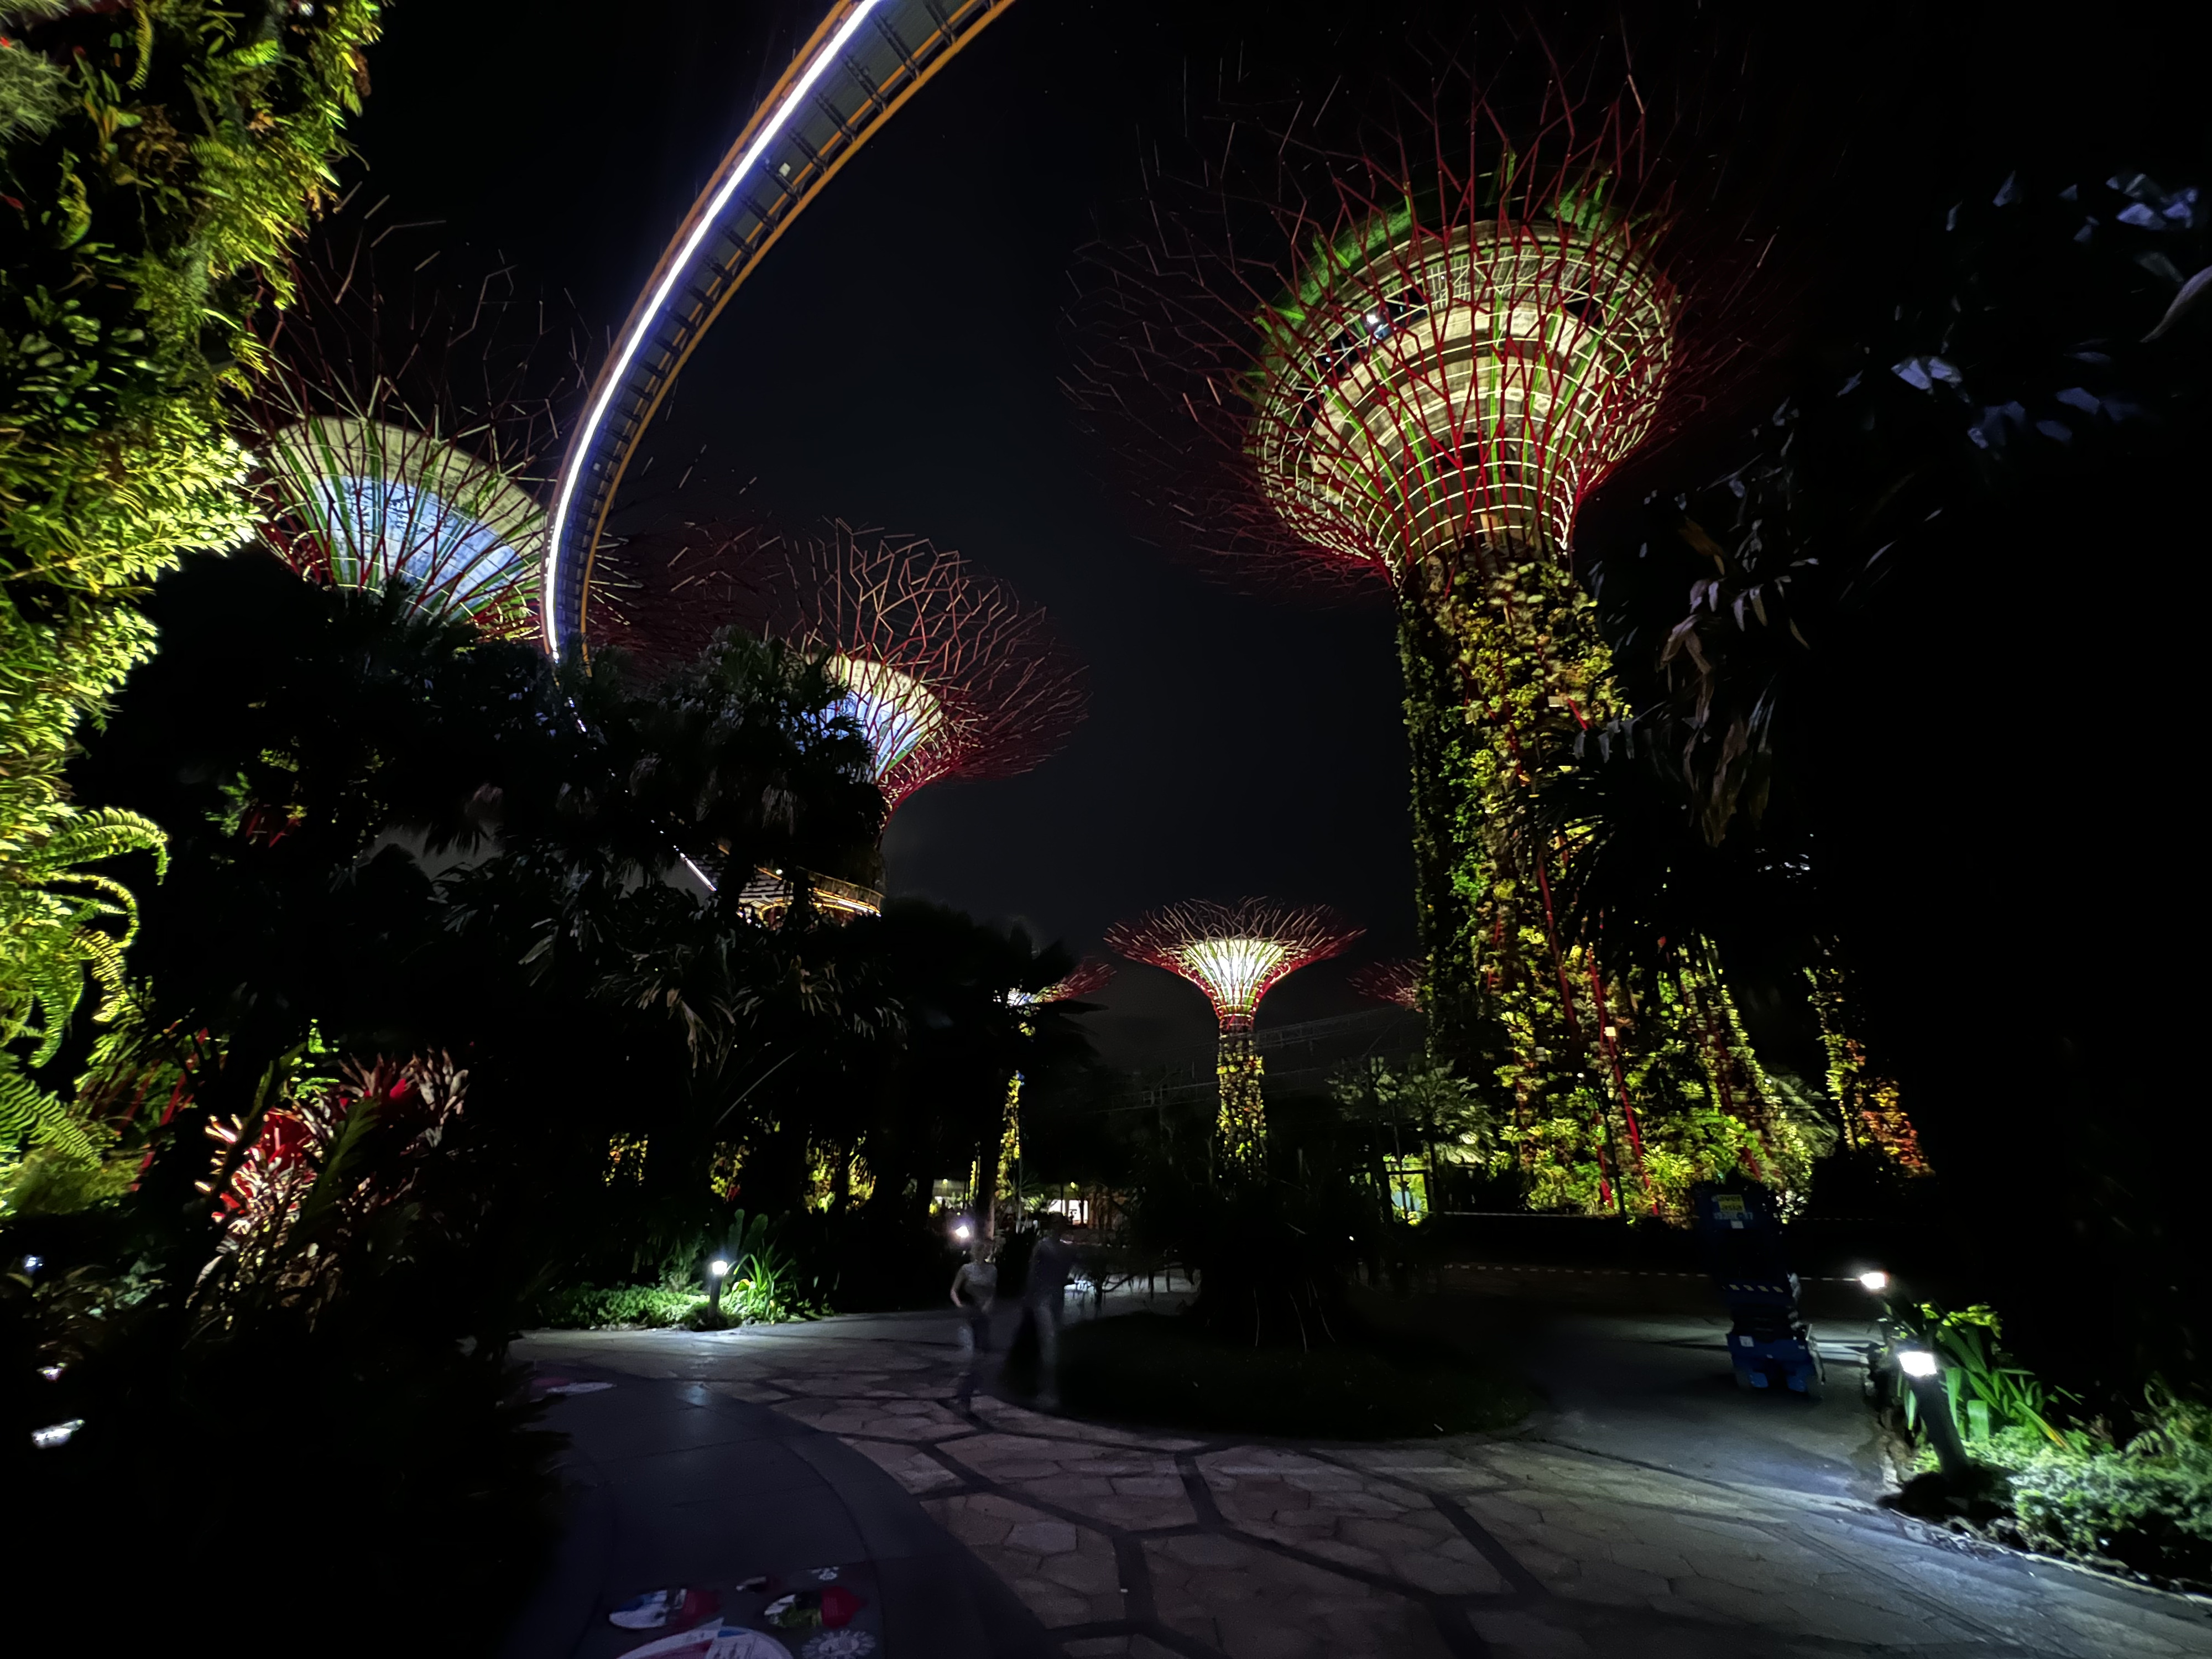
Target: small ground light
(1916,1362)
(718,1268)
(1876,1281)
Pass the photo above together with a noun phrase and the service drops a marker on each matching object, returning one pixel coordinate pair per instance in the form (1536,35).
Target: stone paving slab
(1129,1545)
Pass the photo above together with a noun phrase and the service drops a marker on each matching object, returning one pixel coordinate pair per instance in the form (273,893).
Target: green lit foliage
(1989,1390)
(1422,1105)
(61,926)
(1505,670)
(594,1307)
(2145,1505)
(1498,659)
(1867,1103)
(156,159)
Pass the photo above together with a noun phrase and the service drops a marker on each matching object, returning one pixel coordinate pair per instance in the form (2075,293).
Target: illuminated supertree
(394,440)
(950,674)
(1412,362)
(1398,980)
(1235,953)
(1089,976)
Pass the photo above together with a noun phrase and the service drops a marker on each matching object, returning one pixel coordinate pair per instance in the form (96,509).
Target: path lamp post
(1923,1375)
(718,1274)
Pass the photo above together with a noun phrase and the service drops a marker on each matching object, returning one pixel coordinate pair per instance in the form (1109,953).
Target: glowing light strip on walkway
(651,314)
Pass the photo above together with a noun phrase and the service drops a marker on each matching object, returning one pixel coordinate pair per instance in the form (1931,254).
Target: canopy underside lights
(362,502)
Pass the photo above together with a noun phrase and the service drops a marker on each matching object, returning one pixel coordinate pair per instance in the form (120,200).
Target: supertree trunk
(1413,357)
(1241,1130)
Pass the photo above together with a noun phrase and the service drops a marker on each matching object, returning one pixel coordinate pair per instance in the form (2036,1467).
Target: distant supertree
(1397,980)
(1088,975)
(397,434)
(1409,360)
(948,672)
(1235,953)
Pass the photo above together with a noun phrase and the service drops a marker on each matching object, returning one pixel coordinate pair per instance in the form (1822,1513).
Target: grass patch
(1161,1369)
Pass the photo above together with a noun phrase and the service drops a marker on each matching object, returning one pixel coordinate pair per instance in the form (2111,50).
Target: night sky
(896,363)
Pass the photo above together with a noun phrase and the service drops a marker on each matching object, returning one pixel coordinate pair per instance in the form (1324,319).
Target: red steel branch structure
(1412,363)
(949,674)
(1397,980)
(1235,953)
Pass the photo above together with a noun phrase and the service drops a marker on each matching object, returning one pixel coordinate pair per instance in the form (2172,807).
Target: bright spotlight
(718,1268)
(962,1231)
(1877,1281)
(1916,1362)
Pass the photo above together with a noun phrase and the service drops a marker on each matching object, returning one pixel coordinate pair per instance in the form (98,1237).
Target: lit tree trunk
(1242,1127)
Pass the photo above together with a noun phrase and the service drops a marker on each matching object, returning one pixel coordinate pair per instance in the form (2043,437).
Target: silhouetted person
(1044,1301)
(975,1289)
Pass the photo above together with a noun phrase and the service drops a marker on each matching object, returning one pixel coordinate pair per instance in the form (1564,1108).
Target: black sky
(896,363)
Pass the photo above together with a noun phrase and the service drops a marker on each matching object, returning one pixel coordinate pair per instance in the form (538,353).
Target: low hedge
(592,1307)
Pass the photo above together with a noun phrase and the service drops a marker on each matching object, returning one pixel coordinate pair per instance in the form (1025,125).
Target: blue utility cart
(1769,1343)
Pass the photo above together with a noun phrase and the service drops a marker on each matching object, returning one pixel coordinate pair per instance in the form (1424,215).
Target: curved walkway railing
(866,59)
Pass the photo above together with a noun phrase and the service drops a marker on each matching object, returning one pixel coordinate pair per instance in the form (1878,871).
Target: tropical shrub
(321,1347)
(593,1307)
(2146,1506)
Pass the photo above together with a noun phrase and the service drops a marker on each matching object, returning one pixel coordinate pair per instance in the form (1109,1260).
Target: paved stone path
(1147,1546)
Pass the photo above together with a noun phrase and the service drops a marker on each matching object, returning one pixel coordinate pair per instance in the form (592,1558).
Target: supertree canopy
(1235,953)
(395,435)
(1458,377)
(1411,360)
(1092,973)
(357,502)
(947,672)
(1398,980)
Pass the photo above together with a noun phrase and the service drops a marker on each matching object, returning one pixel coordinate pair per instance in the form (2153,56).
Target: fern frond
(30,1113)
(88,836)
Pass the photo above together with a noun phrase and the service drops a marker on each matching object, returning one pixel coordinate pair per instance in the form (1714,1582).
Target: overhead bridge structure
(865,59)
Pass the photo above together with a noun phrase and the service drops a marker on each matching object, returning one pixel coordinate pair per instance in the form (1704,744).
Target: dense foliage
(431,1027)
(156,159)
(1844,745)
(2139,1502)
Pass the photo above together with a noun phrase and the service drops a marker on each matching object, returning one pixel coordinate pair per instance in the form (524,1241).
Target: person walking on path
(1043,1301)
(975,1290)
